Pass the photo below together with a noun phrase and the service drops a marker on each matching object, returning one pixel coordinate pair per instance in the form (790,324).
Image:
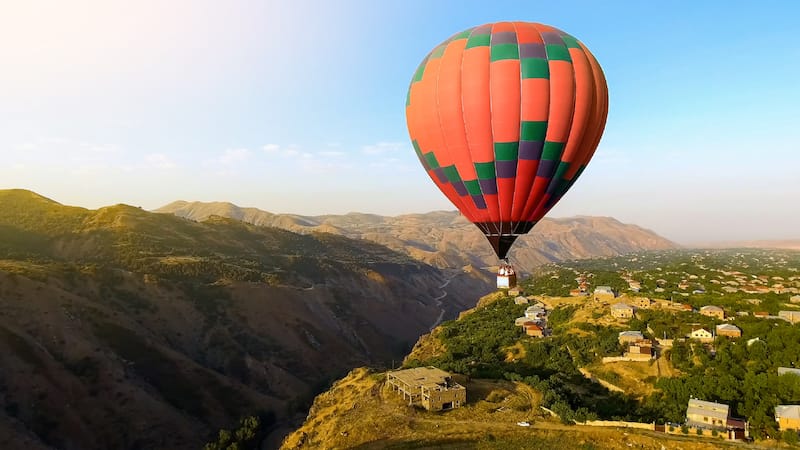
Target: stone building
(432,388)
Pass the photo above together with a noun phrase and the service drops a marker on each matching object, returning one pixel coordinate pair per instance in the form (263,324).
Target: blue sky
(298,106)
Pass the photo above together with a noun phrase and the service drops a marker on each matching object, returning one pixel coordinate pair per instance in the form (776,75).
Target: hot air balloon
(504,117)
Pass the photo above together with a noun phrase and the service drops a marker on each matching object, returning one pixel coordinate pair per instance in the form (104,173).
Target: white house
(521,320)
(534,312)
(788,370)
(702,334)
(700,413)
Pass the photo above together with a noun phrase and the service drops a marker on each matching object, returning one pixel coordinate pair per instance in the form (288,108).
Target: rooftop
(704,408)
(787,411)
(631,334)
(419,376)
(621,306)
(710,308)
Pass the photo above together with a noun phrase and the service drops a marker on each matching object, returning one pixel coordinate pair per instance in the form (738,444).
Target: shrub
(790,437)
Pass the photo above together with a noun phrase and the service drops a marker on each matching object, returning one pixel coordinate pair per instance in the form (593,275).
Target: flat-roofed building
(703,414)
(622,311)
(430,387)
(535,312)
(630,336)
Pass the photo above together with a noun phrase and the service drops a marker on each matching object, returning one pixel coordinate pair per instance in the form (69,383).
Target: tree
(246,437)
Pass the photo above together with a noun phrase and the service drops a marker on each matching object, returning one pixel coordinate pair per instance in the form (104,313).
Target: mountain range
(446,239)
(123,328)
(785,244)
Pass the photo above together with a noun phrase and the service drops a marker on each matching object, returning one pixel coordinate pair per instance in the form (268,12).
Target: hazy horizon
(299,108)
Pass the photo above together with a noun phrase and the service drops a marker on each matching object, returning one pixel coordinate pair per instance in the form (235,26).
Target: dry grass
(361,412)
(628,375)
(428,346)
(515,352)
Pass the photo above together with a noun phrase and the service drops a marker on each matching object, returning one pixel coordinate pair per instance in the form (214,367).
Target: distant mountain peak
(445,238)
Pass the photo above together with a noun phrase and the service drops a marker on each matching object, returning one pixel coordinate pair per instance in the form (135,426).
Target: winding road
(439,301)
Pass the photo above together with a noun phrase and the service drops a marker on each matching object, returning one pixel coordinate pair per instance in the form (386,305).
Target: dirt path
(604,383)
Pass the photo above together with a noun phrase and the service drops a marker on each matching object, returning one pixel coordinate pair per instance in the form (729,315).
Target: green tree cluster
(246,437)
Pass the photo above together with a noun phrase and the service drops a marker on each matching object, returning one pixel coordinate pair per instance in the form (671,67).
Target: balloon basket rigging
(506,276)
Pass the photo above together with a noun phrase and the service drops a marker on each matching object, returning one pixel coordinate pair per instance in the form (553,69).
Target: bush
(246,437)
(699,431)
(790,437)
(495,397)
(684,429)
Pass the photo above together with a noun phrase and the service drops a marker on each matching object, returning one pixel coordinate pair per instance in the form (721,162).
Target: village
(697,323)
(700,414)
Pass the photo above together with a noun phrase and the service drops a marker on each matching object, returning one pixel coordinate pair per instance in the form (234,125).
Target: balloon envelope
(504,117)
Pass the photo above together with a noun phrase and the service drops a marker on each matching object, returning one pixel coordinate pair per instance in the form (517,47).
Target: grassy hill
(121,328)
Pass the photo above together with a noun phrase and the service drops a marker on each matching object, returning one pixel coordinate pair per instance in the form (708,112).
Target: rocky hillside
(445,239)
(121,328)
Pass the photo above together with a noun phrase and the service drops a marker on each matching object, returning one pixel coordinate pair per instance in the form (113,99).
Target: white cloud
(293,151)
(62,147)
(331,154)
(385,147)
(233,156)
(272,148)
(289,151)
(159,161)
(321,166)
(90,170)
